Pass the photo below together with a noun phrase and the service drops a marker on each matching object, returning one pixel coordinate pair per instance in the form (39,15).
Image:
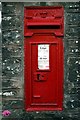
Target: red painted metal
(49,18)
(43,87)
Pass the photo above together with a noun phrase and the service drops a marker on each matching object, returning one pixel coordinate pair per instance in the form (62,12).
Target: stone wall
(0,64)
(13,63)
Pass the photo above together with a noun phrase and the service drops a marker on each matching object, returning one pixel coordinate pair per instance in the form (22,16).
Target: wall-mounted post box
(43,57)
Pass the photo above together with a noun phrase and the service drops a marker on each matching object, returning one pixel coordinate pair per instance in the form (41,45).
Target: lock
(40,77)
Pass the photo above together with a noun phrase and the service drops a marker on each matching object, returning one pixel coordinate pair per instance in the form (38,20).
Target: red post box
(43,58)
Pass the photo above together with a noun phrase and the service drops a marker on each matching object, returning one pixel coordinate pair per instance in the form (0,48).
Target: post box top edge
(43,7)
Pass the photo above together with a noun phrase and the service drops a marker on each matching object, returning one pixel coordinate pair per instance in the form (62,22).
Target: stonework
(13,63)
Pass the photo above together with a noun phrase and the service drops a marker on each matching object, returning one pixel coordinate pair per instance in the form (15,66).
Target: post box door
(43,72)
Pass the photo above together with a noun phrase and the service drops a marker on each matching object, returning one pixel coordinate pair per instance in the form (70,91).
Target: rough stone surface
(0,64)
(13,63)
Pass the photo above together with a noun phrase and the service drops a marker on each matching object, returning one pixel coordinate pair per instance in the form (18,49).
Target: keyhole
(42,75)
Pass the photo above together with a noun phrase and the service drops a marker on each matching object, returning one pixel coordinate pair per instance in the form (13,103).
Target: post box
(43,58)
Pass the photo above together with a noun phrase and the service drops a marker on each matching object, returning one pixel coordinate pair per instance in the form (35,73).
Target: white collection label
(43,56)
